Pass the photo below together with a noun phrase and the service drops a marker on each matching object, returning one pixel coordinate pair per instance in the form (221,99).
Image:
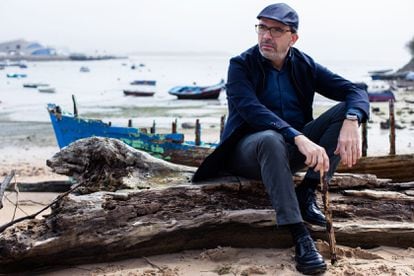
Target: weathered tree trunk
(229,212)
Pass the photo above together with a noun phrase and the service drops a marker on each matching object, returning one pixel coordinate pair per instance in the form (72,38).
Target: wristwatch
(352,117)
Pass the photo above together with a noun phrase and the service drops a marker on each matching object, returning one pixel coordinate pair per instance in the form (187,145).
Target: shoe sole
(311,270)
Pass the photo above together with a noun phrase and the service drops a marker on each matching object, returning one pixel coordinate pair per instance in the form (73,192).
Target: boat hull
(214,94)
(170,147)
(197,92)
(144,82)
(138,93)
(383,96)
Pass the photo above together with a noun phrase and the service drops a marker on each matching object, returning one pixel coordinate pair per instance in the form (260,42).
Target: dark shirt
(280,97)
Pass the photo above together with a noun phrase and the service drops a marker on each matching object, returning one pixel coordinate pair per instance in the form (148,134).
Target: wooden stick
(364,139)
(4,186)
(32,216)
(222,122)
(174,126)
(328,215)
(392,127)
(198,133)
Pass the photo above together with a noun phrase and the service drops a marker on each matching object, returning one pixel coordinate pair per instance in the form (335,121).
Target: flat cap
(281,12)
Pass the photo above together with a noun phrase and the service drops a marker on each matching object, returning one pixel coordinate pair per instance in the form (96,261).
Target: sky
(328,29)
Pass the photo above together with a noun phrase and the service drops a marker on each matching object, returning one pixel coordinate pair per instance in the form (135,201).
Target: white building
(22,47)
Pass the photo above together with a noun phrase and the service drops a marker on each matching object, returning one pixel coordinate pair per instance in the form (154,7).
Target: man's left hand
(349,143)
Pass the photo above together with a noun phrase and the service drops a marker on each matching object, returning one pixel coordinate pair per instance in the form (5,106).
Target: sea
(99,92)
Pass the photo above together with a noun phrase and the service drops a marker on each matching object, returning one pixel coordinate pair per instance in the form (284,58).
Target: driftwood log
(164,212)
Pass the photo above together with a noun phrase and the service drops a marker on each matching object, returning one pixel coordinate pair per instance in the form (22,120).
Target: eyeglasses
(274,31)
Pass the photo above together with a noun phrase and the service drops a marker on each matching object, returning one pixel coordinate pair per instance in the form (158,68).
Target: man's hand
(349,143)
(315,155)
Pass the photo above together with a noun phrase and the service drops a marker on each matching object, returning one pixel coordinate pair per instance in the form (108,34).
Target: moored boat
(16,76)
(84,69)
(138,93)
(196,92)
(46,89)
(34,84)
(143,82)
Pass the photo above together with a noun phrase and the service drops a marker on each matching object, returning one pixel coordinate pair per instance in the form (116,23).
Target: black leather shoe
(308,207)
(308,260)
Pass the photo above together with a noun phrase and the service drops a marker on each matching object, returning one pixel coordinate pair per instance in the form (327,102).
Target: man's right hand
(316,156)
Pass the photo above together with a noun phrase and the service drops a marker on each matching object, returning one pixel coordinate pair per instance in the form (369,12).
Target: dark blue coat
(246,80)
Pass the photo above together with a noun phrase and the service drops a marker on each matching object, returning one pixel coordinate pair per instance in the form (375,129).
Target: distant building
(22,47)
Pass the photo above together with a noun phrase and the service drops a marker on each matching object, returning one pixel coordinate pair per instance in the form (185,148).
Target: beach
(25,151)
(28,140)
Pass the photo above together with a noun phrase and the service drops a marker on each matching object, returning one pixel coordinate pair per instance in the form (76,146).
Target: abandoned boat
(171,146)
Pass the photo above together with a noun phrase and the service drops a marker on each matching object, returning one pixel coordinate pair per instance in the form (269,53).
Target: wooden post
(75,106)
(174,126)
(130,123)
(222,120)
(153,127)
(392,128)
(364,139)
(328,215)
(197,133)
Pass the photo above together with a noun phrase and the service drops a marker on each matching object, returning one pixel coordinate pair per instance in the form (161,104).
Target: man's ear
(294,38)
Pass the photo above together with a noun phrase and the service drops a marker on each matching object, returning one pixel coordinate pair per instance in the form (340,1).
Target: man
(270,132)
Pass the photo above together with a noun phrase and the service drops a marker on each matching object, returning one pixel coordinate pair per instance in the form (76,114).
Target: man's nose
(267,34)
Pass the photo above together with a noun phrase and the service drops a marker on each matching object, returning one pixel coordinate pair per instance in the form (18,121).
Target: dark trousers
(265,155)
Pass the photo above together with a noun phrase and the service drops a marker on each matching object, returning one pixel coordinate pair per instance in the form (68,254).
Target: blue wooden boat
(171,146)
(17,76)
(196,92)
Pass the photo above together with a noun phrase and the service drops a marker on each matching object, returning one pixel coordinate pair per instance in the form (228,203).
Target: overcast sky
(329,29)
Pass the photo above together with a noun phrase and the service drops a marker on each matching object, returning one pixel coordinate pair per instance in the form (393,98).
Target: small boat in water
(171,146)
(139,93)
(34,84)
(143,82)
(17,76)
(196,92)
(46,89)
(84,69)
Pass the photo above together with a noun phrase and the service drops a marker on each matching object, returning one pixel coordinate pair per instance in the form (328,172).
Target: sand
(26,152)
